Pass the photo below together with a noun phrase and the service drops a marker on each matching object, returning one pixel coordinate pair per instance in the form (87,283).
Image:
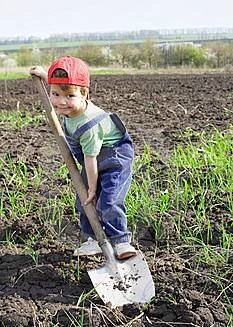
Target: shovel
(117,282)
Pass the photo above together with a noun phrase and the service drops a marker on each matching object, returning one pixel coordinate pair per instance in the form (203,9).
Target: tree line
(147,55)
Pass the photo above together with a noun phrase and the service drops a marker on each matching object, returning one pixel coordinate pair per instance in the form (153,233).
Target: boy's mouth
(62,109)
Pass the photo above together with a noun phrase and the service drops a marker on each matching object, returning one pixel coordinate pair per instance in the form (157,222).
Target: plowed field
(157,110)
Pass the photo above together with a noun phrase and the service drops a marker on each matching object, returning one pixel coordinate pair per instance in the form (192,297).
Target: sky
(43,18)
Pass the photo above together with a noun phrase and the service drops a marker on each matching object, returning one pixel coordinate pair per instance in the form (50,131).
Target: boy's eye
(55,94)
(71,95)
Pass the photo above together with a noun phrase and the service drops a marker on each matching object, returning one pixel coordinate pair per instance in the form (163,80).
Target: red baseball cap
(77,70)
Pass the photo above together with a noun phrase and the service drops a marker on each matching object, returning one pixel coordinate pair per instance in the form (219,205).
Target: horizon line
(121,31)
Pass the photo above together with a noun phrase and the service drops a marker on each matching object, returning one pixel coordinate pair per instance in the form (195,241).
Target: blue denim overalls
(114,178)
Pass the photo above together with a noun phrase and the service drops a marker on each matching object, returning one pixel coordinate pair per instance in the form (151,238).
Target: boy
(101,144)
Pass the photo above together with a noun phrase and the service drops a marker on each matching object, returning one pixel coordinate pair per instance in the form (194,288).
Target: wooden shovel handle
(76,178)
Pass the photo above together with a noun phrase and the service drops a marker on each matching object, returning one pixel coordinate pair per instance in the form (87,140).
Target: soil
(157,110)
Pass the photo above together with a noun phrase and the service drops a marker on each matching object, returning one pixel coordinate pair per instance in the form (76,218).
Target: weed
(29,244)
(19,118)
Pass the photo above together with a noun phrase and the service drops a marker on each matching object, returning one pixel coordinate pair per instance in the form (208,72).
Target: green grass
(19,118)
(198,180)
(192,192)
(13,75)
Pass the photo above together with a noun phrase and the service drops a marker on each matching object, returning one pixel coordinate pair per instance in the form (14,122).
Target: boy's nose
(62,100)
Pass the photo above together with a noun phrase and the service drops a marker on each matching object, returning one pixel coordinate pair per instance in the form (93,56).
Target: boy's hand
(38,71)
(91,197)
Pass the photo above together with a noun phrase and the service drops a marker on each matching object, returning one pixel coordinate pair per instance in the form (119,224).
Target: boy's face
(67,103)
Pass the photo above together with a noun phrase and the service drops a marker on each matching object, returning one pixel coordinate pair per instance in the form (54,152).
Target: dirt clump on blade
(41,282)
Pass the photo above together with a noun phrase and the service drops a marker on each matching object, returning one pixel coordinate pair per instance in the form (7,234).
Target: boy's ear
(85,92)
(85,95)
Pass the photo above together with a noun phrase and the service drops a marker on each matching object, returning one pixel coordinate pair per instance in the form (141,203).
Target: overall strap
(85,127)
(118,122)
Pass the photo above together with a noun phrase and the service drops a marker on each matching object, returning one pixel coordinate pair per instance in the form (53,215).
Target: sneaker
(88,248)
(124,250)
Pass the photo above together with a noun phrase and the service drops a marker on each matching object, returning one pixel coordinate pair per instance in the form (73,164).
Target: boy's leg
(111,208)
(115,175)
(112,190)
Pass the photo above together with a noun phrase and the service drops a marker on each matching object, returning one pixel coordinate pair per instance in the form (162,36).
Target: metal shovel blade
(125,282)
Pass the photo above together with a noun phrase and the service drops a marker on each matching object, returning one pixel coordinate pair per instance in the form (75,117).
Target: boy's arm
(92,176)
(39,71)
